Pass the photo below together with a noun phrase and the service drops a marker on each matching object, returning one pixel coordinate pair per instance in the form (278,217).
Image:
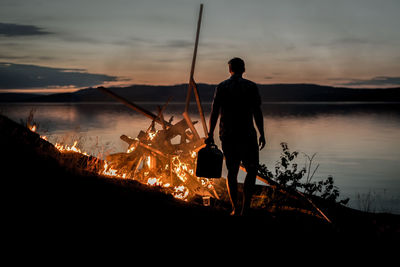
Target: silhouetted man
(238,101)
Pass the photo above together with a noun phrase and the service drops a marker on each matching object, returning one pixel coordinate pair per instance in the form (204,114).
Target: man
(238,101)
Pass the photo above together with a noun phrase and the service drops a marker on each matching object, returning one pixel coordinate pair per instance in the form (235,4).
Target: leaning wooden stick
(194,59)
(192,84)
(200,108)
(133,106)
(274,184)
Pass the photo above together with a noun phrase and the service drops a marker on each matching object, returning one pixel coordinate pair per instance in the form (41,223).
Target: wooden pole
(194,58)
(191,80)
(191,125)
(192,84)
(134,106)
(200,108)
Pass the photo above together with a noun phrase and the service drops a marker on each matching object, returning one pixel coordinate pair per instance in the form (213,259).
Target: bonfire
(151,157)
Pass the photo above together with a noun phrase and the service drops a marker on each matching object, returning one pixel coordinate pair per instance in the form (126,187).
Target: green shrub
(289,177)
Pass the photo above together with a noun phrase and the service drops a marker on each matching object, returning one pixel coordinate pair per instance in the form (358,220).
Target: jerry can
(209,162)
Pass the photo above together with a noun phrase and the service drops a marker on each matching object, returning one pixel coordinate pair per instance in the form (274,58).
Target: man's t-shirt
(236,98)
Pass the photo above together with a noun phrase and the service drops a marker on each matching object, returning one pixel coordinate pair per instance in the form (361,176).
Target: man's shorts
(241,150)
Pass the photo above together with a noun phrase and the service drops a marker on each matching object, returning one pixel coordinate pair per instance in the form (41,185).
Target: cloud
(178,43)
(377,81)
(19,76)
(24,57)
(10,57)
(12,30)
(347,41)
(351,40)
(296,59)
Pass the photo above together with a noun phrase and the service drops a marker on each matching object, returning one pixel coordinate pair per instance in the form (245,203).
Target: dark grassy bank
(39,186)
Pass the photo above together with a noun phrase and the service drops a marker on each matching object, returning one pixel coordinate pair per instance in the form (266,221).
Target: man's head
(236,66)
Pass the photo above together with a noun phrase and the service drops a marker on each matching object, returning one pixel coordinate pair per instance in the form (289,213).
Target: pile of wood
(165,157)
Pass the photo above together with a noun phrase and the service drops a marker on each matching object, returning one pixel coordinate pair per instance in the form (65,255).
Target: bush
(289,177)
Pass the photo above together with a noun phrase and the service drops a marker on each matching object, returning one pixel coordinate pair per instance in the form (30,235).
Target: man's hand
(261,142)
(210,139)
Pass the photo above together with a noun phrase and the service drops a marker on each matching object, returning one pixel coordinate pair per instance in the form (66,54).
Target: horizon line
(73,90)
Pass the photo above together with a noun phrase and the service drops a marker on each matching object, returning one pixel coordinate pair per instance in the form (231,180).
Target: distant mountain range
(273,92)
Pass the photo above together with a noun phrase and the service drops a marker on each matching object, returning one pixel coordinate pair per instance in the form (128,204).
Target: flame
(206,182)
(106,170)
(148,161)
(73,148)
(151,135)
(179,169)
(154,182)
(183,171)
(131,149)
(181,192)
(157,182)
(109,171)
(33,128)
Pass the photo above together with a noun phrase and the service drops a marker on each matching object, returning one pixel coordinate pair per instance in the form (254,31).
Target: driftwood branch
(274,184)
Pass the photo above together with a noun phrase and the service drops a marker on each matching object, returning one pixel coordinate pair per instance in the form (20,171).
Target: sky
(55,46)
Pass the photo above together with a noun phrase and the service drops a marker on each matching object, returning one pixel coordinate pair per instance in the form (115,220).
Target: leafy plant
(289,177)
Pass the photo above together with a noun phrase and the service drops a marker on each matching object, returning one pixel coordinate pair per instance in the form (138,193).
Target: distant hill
(273,92)
(14,97)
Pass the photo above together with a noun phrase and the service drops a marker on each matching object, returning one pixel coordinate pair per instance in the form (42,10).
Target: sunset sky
(65,45)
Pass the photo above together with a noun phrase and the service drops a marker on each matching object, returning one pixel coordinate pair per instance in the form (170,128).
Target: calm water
(358,144)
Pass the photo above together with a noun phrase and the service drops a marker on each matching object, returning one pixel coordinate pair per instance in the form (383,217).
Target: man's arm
(259,119)
(215,109)
(213,121)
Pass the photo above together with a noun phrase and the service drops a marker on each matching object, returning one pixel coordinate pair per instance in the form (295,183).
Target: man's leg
(248,187)
(233,169)
(250,162)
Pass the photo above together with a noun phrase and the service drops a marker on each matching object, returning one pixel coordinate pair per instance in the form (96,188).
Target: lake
(356,143)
